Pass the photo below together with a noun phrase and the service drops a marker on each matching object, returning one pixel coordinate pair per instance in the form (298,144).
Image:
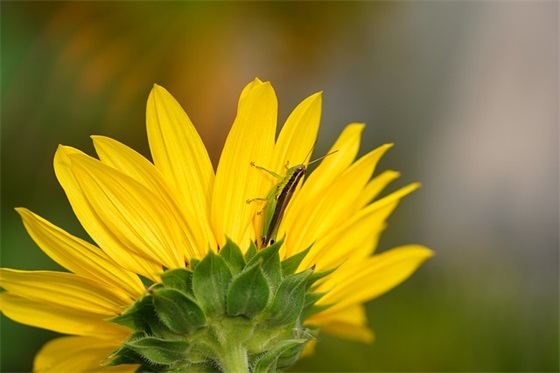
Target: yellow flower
(147,218)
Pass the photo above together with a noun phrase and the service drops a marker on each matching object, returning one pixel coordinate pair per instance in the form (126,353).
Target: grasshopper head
(300,168)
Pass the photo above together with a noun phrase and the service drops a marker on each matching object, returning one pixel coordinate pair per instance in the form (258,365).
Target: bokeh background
(468,91)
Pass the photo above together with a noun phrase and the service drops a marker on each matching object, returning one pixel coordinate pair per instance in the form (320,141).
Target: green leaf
(291,264)
(193,264)
(270,263)
(208,367)
(210,283)
(141,317)
(316,276)
(248,293)
(136,317)
(314,309)
(267,362)
(177,311)
(251,251)
(291,354)
(160,351)
(311,298)
(310,308)
(124,355)
(178,278)
(233,256)
(289,299)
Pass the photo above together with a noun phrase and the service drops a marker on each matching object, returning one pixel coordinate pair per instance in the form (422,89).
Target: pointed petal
(80,256)
(349,331)
(131,163)
(353,240)
(360,282)
(383,208)
(139,218)
(93,224)
(298,134)
(294,146)
(251,139)
(63,289)
(333,207)
(357,236)
(59,319)
(309,348)
(376,186)
(179,153)
(346,147)
(78,354)
(348,323)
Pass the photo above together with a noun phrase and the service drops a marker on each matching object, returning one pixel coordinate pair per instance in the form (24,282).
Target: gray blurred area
(468,92)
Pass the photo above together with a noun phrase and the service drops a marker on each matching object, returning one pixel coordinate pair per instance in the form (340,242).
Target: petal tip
(429,252)
(158,92)
(356,126)
(316,97)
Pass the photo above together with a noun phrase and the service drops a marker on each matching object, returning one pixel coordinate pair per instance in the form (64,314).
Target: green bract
(228,313)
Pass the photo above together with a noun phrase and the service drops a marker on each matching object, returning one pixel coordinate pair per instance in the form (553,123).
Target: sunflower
(180,277)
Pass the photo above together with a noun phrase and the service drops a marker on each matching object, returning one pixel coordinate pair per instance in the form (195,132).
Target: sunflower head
(194,269)
(229,312)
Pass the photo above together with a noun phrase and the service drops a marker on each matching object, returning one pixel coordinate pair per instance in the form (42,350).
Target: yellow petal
(309,348)
(348,323)
(351,241)
(346,147)
(251,139)
(63,289)
(376,186)
(59,319)
(178,151)
(298,135)
(131,163)
(360,282)
(355,238)
(93,224)
(394,196)
(383,208)
(140,219)
(80,256)
(376,220)
(348,331)
(294,146)
(78,354)
(328,210)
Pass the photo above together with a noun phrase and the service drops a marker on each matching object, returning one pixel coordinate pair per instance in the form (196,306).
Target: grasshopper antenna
(318,159)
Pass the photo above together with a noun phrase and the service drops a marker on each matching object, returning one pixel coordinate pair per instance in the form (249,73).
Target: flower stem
(234,358)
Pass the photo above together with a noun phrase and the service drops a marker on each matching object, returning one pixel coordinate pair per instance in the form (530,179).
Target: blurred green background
(468,91)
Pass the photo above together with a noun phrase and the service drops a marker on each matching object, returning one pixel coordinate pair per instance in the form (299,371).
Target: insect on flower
(279,197)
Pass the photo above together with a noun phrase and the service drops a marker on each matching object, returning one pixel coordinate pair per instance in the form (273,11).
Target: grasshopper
(279,197)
